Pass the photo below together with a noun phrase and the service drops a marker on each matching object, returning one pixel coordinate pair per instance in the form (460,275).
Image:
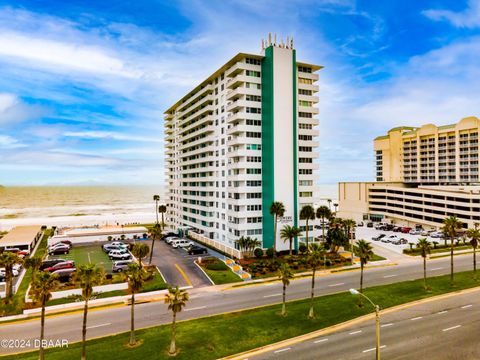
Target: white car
(390,238)
(170,239)
(119,255)
(118,243)
(415,232)
(2,272)
(436,234)
(182,243)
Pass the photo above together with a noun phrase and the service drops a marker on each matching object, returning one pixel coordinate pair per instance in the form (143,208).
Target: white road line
(440,268)
(368,350)
(271,295)
(281,350)
(355,332)
(339,284)
(442,312)
(387,325)
(319,341)
(417,318)
(196,308)
(467,306)
(389,276)
(451,328)
(269,284)
(97,326)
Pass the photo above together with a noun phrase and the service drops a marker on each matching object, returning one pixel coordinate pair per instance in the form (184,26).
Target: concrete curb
(208,277)
(328,330)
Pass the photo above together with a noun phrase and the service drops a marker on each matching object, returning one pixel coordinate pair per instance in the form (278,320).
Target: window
(252,134)
(253,61)
(305,183)
(252,73)
(253,98)
(254,159)
(254,171)
(304,103)
(305,137)
(254,147)
(254,122)
(305,171)
(305,81)
(254,183)
(305,194)
(305,69)
(254,195)
(254,232)
(305,126)
(305,148)
(305,115)
(249,85)
(254,207)
(251,110)
(305,92)
(305,160)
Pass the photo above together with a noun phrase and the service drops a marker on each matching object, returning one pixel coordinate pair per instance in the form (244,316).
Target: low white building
(101,234)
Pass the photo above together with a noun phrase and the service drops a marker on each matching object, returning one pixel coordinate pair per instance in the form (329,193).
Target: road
(444,329)
(209,301)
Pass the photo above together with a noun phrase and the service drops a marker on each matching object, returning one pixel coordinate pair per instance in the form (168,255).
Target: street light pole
(377,320)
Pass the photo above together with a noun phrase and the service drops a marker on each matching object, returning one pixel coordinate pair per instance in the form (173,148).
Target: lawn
(219,272)
(213,337)
(87,254)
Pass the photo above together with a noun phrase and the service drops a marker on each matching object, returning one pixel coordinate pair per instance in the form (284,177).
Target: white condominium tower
(243,138)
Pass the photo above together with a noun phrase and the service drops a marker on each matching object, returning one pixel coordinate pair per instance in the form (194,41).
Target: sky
(84,84)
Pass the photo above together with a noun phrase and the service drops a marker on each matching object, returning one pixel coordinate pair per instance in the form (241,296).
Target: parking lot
(178,267)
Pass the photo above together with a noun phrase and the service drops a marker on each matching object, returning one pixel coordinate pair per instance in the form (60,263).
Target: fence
(215,244)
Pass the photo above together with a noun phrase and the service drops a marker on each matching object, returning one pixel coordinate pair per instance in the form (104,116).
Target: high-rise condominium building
(243,138)
(423,175)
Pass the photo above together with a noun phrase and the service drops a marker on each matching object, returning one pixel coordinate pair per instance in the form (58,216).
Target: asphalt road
(212,300)
(444,329)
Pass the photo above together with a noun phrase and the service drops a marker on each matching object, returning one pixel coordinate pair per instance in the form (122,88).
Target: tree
(162,209)
(329,201)
(349,226)
(450,227)
(307,213)
(7,260)
(155,233)
(41,290)
(323,213)
(33,263)
(424,246)
(140,251)
(277,209)
(284,274)
(474,236)
(87,276)
(365,253)
(336,235)
(335,205)
(136,276)
(242,243)
(314,259)
(288,233)
(156,198)
(176,300)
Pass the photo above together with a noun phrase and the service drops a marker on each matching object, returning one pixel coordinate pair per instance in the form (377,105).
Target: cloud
(13,110)
(469,18)
(7,142)
(110,135)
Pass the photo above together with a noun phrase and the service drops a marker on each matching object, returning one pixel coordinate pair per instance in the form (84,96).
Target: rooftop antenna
(269,39)
(275,39)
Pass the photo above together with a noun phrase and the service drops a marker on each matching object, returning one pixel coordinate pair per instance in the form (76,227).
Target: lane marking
(184,275)
(271,295)
(451,328)
(417,318)
(196,308)
(339,284)
(440,268)
(281,350)
(270,284)
(97,326)
(442,312)
(389,276)
(355,332)
(386,325)
(372,349)
(319,341)
(467,306)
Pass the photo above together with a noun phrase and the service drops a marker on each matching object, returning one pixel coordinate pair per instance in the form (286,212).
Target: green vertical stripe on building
(295,145)
(268,175)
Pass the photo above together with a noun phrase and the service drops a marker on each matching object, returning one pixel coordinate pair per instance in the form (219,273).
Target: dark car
(50,263)
(59,249)
(170,234)
(370,224)
(62,265)
(397,229)
(64,275)
(195,249)
(378,237)
(405,229)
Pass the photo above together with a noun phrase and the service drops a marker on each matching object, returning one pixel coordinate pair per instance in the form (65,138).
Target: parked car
(119,255)
(64,275)
(3,273)
(66,242)
(360,224)
(390,238)
(170,234)
(378,237)
(196,250)
(181,243)
(170,239)
(369,224)
(436,234)
(51,262)
(114,246)
(415,232)
(405,229)
(120,265)
(63,265)
(59,249)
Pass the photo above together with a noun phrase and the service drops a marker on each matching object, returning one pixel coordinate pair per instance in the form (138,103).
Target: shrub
(328,262)
(270,253)
(302,248)
(258,253)
(218,265)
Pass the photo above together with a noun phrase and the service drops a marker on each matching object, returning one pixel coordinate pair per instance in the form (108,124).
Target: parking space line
(417,318)
(451,328)
(319,341)
(387,325)
(467,306)
(184,275)
(281,350)
(355,332)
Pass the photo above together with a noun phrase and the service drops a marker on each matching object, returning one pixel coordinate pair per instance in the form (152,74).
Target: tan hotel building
(422,176)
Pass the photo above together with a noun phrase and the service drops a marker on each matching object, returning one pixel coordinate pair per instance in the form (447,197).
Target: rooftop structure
(22,237)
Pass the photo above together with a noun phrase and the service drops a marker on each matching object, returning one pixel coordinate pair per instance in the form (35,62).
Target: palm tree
(474,235)
(335,205)
(156,198)
(349,226)
(87,276)
(162,209)
(329,201)
(314,259)
(7,260)
(33,263)
(450,227)
(155,233)
(136,276)
(365,253)
(284,274)
(140,251)
(242,243)
(176,300)
(323,212)
(425,247)
(288,233)
(42,288)
(307,213)
(277,209)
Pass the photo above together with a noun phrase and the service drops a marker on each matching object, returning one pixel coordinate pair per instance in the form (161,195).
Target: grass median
(221,335)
